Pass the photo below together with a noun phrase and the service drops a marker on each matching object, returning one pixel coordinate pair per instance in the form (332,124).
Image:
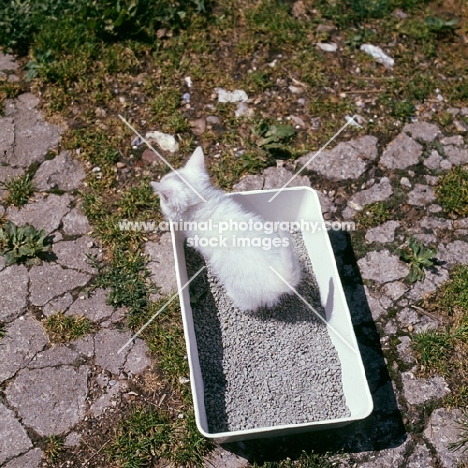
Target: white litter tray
(292,204)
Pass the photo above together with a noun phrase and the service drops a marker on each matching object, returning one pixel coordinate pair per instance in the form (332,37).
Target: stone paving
(45,389)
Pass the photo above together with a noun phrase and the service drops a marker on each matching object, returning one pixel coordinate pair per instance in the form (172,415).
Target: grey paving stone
(394,290)
(393,457)
(431,180)
(422,131)
(94,307)
(277,177)
(24,338)
(137,358)
(105,400)
(7,140)
(421,195)
(453,253)
(48,281)
(76,223)
(461,223)
(107,344)
(34,137)
(63,173)
(219,457)
(2,263)
(442,429)
(345,161)
(60,304)
(435,223)
(383,233)
(14,292)
(31,459)
(409,317)
(382,267)
(376,308)
(74,254)
(418,391)
(13,438)
(430,283)
(401,153)
(378,192)
(72,440)
(456,140)
(404,350)
(84,346)
(434,208)
(50,400)
(420,458)
(7,62)
(161,264)
(433,161)
(446,165)
(249,182)
(45,212)
(457,156)
(326,204)
(56,356)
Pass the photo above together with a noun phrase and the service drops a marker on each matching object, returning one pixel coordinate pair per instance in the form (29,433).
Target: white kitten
(244,271)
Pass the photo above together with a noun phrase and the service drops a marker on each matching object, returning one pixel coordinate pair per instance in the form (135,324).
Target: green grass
(444,350)
(373,215)
(53,447)
(305,460)
(452,191)
(148,435)
(63,328)
(20,189)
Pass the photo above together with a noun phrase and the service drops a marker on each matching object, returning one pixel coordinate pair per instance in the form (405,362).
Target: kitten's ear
(156,186)
(197,160)
(164,193)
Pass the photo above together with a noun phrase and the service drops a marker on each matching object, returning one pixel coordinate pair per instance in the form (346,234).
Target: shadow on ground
(384,428)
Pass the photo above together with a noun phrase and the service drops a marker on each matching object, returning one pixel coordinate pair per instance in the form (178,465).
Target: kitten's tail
(291,265)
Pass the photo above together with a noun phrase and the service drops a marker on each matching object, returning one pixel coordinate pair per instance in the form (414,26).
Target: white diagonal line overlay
(157,154)
(313,310)
(161,309)
(312,158)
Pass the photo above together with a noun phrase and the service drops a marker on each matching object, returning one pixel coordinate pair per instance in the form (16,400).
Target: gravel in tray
(272,367)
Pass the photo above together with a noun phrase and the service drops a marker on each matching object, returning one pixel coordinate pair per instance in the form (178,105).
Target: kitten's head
(184,189)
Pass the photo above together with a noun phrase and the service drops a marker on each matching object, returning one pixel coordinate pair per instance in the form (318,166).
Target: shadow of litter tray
(383,428)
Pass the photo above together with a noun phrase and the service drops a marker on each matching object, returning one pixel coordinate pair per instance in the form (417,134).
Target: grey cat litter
(266,368)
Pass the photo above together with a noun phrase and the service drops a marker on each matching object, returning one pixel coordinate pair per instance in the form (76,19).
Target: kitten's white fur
(244,271)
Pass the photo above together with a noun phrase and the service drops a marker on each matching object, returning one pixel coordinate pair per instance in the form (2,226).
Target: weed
(452,191)
(20,189)
(63,328)
(2,330)
(463,438)
(147,435)
(433,348)
(127,276)
(455,292)
(165,339)
(272,136)
(305,460)
(136,200)
(419,257)
(53,447)
(373,215)
(21,243)
(441,26)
